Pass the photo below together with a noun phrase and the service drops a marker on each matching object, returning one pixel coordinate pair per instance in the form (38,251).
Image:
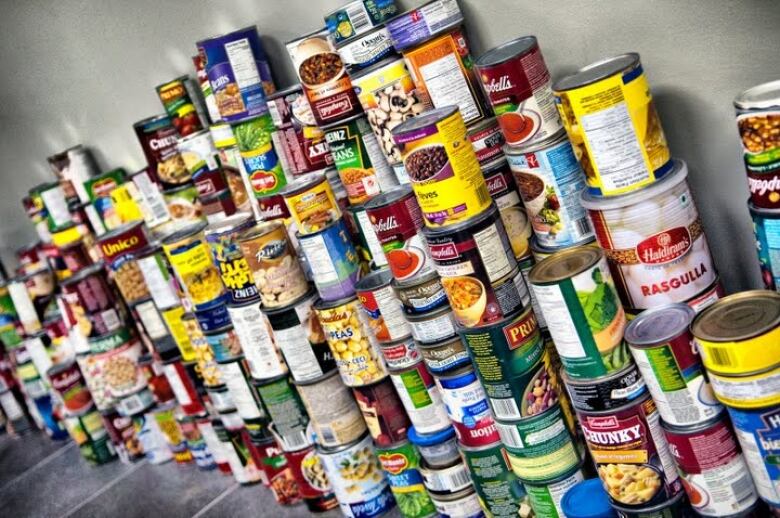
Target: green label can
(500,492)
(546,495)
(287,412)
(400,462)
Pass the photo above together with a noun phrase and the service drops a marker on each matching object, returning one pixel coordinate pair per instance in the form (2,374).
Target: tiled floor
(42,478)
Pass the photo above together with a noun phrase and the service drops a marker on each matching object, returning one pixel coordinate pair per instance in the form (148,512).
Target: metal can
(358,17)
(676,505)
(500,491)
(546,496)
(401,462)
(501,186)
(323,76)
(260,165)
(223,241)
(218,206)
(516,81)
(766,227)
(383,412)
(190,258)
(286,410)
(174,319)
(220,398)
(568,286)
(235,375)
(89,303)
(333,260)
(357,479)
(366,242)
(445,355)
(356,353)
(309,474)
(605,392)
(526,264)
(311,202)
(434,326)
(67,380)
(467,407)
(257,342)
(713,470)
(158,138)
(158,277)
(224,343)
(183,386)
(177,98)
(363,50)
(487,140)
(421,398)
(593,127)
(200,157)
(442,167)
(463,504)
(401,353)
(438,449)
(627,443)
(665,353)
(381,307)
(422,294)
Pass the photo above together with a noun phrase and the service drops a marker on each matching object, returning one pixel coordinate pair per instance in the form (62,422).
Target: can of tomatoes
(501,186)
(421,398)
(381,307)
(311,202)
(383,412)
(222,238)
(467,406)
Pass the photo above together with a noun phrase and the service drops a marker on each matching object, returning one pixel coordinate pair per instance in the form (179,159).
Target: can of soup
(593,127)
(421,398)
(766,227)
(158,138)
(333,260)
(467,406)
(311,202)
(223,240)
(487,140)
(383,412)
(546,496)
(421,294)
(366,242)
(381,307)
(500,491)
(67,380)
(363,50)
(309,474)
(401,462)
(501,186)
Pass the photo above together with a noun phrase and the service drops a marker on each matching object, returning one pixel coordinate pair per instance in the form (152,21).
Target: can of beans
(546,496)
(401,462)
(223,241)
(323,76)
(333,260)
(568,286)
(467,406)
(665,353)
(421,294)
(383,412)
(501,186)
(177,98)
(286,410)
(126,239)
(257,342)
(311,202)
(421,398)
(500,491)
(766,227)
(67,380)
(445,355)
(605,392)
(190,258)
(335,417)
(358,17)
(158,138)
(381,307)
(442,166)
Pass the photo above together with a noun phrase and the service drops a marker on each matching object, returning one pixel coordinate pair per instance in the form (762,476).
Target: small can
(517,83)
(665,353)
(324,78)
(213,315)
(766,227)
(363,50)
(286,410)
(333,260)
(501,186)
(177,98)
(438,449)
(713,470)
(445,480)
(605,392)
(401,353)
(421,398)
(381,307)
(757,121)
(445,355)
(568,285)
(468,408)
(383,412)
(191,260)
(401,462)
(358,17)
(335,417)
(224,344)
(148,316)
(463,504)
(223,241)
(357,479)
(158,138)
(592,128)
(487,140)
(67,380)
(434,326)
(367,243)
(500,491)
(236,376)
(357,355)
(257,342)
(311,202)
(422,294)
(200,156)
(309,474)
(442,167)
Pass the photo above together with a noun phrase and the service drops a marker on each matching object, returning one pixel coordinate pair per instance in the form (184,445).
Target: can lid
(261,228)
(760,96)
(188,231)
(597,71)
(587,499)
(506,51)
(677,175)
(660,324)
(738,317)
(304,182)
(430,439)
(285,91)
(564,265)
(386,198)
(374,280)
(228,224)
(425,119)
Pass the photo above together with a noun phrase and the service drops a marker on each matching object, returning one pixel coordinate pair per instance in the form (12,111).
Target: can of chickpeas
(357,356)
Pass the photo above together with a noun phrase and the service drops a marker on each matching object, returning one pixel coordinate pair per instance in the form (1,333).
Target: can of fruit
(442,167)
(358,17)
(383,412)
(223,240)
(401,462)
(381,307)
(501,186)
(335,417)
(421,294)
(445,355)
(766,227)
(467,406)
(284,406)
(257,342)
(158,138)
(516,81)
(665,353)
(569,285)
(500,491)
(593,127)
(434,326)
(356,352)
(715,476)
(546,496)
(190,258)
(177,98)
(421,398)
(605,392)
(67,380)
(311,202)
(333,260)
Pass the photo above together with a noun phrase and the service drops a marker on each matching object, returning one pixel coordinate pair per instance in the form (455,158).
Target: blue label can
(333,260)
(758,432)
(766,226)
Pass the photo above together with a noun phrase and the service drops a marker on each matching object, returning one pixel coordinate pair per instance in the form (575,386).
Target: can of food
(467,407)
(88,300)
(218,206)
(158,277)
(358,482)
(56,206)
(445,355)
(333,260)
(220,398)
(438,449)
(151,322)
(487,140)
(628,445)
(356,352)
(174,319)
(442,167)
(388,96)
(363,50)
(605,392)
(177,98)
(665,353)
(421,294)
(183,386)
(758,433)
(358,17)
(209,181)
(158,138)
(593,127)
(309,474)
(335,417)
(446,480)
(501,186)
(236,375)
(190,258)
(261,165)
(464,503)
(740,334)
(434,326)
(224,344)
(713,470)
(421,398)
(381,307)
(67,380)
(213,315)
(106,342)
(274,265)
(286,410)
(766,227)
(298,335)
(383,412)
(311,202)
(401,462)
(516,81)
(200,157)
(674,506)
(500,491)
(223,241)
(366,242)
(237,68)
(401,353)
(323,76)
(583,312)
(257,343)
(546,496)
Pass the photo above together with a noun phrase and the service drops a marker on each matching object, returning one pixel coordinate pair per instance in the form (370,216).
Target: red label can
(383,412)
(269,457)
(468,408)
(313,484)
(122,241)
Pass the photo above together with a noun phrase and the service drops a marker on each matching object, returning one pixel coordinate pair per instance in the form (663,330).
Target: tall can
(421,398)
(223,241)
(502,188)
(257,342)
(157,137)
(381,307)
(284,406)
(260,164)
(191,260)
(177,98)
(333,260)
(358,17)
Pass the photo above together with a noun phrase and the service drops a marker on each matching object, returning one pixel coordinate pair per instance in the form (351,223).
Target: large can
(501,186)
(157,136)
(467,406)
(442,166)
(421,398)
(610,101)
(501,493)
(664,350)
(766,227)
(357,479)
(583,313)
(191,260)
(333,260)
(382,307)
(223,240)
(711,466)
(401,462)
(177,98)
(383,412)
(311,202)
(517,84)
(286,410)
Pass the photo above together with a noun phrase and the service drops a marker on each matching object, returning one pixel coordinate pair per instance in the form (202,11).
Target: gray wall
(78,71)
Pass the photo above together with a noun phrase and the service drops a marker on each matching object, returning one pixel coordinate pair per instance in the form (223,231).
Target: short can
(605,392)
(442,167)
(501,186)
(463,504)
(381,306)
(191,260)
(433,326)
(177,96)
(445,480)
(421,398)
(664,350)
(550,181)
(583,312)
(224,344)
(487,140)
(546,496)
(593,127)
(358,17)
(438,449)
(257,342)
(711,466)
(333,260)
(401,462)
(467,406)
(136,403)
(422,294)
(747,391)
(758,117)
(517,83)
(628,444)
(283,404)
(335,417)
(500,491)
(383,412)
(363,50)
(235,375)
(311,203)
(309,474)
(401,353)
(158,138)
(67,380)
(365,238)
(766,227)
(262,170)
(445,355)
(223,241)
(539,447)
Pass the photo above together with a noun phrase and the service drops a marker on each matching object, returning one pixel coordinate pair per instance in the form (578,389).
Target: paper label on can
(150,318)
(246,405)
(383,313)
(421,399)
(433,330)
(159,281)
(758,432)
(374,247)
(468,409)
(257,342)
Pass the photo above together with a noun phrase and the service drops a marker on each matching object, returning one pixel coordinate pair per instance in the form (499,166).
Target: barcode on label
(152,200)
(295,440)
(505,408)
(452,479)
(721,356)
(483,195)
(509,435)
(583,226)
(327,434)
(358,17)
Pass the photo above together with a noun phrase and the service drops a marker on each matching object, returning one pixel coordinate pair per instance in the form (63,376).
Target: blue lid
(587,499)
(429,439)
